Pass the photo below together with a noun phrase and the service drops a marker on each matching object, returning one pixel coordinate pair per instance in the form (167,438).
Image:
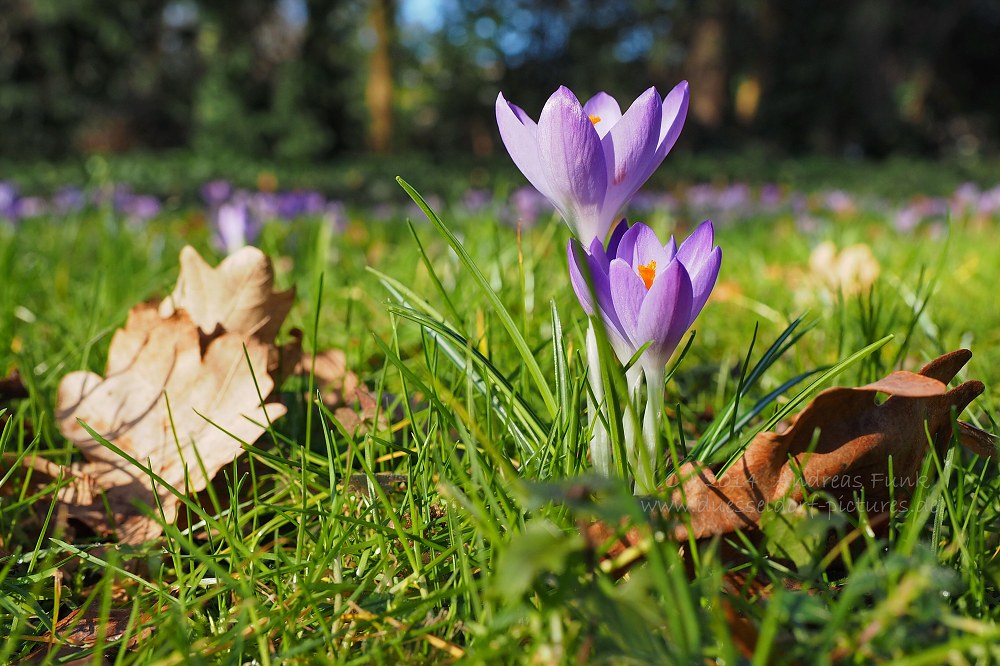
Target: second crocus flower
(645,293)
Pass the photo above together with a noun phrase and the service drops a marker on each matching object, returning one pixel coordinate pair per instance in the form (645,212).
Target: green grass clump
(311,550)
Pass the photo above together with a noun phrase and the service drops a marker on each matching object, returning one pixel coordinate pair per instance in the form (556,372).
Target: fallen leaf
(12,387)
(351,402)
(237,296)
(840,444)
(852,270)
(82,629)
(168,403)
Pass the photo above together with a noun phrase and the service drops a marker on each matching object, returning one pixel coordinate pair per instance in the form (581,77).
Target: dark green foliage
(288,79)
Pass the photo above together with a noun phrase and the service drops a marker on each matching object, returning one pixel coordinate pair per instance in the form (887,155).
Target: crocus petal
(598,254)
(626,245)
(577,255)
(603,108)
(616,237)
(702,263)
(704,282)
(572,162)
(675,108)
(630,150)
(520,136)
(640,245)
(664,315)
(600,288)
(671,248)
(628,292)
(647,248)
(697,246)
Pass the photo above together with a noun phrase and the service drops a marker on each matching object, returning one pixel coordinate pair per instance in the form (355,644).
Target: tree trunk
(379,87)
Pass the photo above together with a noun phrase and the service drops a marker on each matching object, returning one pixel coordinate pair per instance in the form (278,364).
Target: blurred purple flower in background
(290,205)
(770,197)
(654,202)
(920,210)
(989,202)
(138,208)
(264,206)
(335,214)
(476,200)
(965,199)
(233,226)
(27,207)
(839,202)
(589,159)
(68,200)
(529,205)
(216,192)
(8,201)
(707,200)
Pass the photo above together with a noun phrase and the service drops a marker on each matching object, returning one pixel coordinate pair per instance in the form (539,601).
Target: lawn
(458,522)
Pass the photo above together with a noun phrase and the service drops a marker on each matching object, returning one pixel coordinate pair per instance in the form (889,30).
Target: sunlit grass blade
(793,404)
(729,421)
(526,354)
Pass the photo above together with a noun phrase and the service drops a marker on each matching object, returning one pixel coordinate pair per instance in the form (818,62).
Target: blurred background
(217,86)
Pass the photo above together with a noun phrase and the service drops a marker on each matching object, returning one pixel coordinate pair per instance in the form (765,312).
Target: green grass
(480,555)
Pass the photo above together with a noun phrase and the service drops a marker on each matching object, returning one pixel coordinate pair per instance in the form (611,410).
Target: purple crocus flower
(291,205)
(216,192)
(138,208)
(589,159)
(646,291)
(8,200)
(68,200)
(475,200)
(27,207)
(335,215)
(234,226)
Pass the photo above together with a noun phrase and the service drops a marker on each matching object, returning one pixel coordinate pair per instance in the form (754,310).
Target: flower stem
(631,427)
(645,483)
(600,442)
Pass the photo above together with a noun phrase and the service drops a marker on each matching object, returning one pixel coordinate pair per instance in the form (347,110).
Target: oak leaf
(852,270)
(841,444)
(168,402)
(237,296)
(352,403)
(85,628)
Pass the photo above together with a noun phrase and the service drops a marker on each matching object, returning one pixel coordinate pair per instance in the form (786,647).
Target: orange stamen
(647,272)
(595,119)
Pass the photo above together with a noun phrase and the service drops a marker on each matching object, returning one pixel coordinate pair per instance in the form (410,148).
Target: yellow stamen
(647,272)
(595,119)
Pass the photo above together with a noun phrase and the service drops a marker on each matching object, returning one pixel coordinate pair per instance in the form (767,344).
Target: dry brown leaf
(151,361)
(351,402)
(852,270)
(854,440)
(237,296)
(81,629)
(12,387)
(855,437)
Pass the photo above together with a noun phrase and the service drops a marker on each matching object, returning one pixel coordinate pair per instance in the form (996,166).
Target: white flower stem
(600,441)
(645,482)
(631,427)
